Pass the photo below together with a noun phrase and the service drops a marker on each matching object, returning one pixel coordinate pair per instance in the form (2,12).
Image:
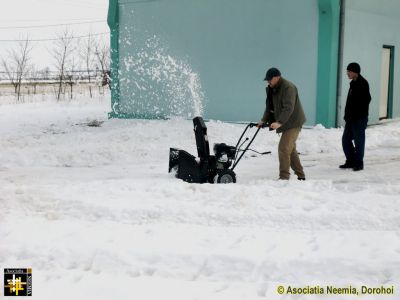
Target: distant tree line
(73,60)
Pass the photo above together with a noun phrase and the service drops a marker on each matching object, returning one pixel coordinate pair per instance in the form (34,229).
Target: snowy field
(95,214)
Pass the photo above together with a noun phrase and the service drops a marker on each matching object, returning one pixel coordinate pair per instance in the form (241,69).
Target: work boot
(347,165)
(358,167)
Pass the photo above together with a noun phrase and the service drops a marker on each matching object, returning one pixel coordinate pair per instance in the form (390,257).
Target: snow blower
(210,168)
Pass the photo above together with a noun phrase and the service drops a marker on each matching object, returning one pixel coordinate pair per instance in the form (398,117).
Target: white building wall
(369,25)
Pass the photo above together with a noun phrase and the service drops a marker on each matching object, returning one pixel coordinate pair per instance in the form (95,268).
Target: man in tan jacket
(284,114)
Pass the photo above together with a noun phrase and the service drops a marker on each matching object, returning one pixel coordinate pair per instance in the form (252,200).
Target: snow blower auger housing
(208,168)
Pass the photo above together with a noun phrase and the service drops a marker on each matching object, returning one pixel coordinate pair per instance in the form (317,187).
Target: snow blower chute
(209,168)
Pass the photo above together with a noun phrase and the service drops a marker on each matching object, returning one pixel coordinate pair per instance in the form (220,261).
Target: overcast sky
(41,19)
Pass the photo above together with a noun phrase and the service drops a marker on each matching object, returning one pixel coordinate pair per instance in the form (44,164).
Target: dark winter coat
(358,100)
(284,107)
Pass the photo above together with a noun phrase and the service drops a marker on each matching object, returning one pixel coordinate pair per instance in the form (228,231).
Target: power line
(57,72)
(79,3)
(8,21)
(47,20)
(56,39)
(50,25)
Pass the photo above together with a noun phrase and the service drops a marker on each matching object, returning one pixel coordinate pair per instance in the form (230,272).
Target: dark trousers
(354,131)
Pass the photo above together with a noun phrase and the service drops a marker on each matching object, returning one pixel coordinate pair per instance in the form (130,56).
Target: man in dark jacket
(356,117)
(284,113)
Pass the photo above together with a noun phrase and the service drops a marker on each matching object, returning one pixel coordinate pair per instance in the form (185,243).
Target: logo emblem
(18,282)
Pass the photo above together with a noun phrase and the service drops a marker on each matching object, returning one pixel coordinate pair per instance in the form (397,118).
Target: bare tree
(102,52)
(16,67)
(61,52)
(70,75)
(34,78)
(88,56)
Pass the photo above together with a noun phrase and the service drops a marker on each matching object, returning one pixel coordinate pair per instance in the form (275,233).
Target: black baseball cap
(272,72)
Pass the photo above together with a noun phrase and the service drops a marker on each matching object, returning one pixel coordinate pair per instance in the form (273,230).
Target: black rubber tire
(226,176)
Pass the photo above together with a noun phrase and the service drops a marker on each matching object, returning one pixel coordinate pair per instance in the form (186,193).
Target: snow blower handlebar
(255,124)
(239,145)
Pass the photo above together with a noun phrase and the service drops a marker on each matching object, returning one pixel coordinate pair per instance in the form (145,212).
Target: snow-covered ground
(95,214)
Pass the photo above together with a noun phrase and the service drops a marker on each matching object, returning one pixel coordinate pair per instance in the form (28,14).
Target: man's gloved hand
(275,125)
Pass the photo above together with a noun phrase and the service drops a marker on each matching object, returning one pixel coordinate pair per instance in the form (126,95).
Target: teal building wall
(209,57)
(189,57)
(328,59)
